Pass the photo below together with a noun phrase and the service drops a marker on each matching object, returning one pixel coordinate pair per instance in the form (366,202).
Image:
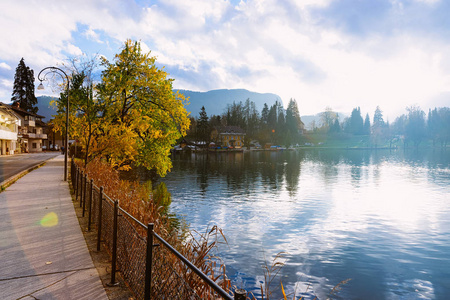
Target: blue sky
(336,53)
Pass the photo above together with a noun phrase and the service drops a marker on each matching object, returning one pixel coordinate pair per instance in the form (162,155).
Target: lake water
(380,218)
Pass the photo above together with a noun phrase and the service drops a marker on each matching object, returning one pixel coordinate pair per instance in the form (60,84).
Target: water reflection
(381,218)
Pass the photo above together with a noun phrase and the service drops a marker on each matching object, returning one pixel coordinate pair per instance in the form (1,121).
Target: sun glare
(49,220)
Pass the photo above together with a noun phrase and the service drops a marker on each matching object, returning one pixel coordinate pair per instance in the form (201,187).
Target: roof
(22,111)
(7,109)
(230,130)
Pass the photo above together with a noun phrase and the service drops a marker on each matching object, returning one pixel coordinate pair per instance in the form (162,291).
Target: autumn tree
(138,117)
(23,91)
(84,110)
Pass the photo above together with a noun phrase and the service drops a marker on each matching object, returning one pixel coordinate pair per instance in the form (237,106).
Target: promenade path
(43,254)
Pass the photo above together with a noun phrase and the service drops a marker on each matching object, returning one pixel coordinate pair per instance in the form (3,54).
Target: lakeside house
(9,129)
(229,136)
(30,134)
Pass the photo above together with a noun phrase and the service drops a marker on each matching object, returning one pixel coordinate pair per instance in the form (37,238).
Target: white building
(9,128)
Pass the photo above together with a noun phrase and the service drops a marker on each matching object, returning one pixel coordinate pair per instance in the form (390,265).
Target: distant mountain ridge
(216,101)
(45,109)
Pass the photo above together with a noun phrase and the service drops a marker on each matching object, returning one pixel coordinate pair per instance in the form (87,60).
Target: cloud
(89,33)
(73,50)
(5,66)
(323,53)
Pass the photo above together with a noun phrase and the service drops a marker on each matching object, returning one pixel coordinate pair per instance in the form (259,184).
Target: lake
(381,218)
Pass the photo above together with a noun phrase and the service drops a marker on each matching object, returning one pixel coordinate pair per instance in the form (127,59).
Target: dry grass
(148,206)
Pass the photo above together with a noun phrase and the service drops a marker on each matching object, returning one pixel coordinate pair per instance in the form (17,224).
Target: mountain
(45,109)
(216,101)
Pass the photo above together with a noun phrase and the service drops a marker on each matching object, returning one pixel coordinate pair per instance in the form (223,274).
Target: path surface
(43,254)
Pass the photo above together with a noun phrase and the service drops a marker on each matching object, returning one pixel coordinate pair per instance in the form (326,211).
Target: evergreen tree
(203,126)
(378,118)
(265,114)
(356,125)
(367,125)
(23,91)
(336,127)
(294,124)
(415,129)
(252,120)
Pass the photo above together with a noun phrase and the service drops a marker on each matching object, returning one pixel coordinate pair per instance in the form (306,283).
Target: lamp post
(63,75)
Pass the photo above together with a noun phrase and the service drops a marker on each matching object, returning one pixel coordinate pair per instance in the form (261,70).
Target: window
(34,146)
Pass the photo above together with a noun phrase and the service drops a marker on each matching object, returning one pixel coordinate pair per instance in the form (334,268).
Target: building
(9,128)
(31,130)
(230,136)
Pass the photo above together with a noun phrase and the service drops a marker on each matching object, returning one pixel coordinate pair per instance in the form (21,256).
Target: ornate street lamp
(55,70)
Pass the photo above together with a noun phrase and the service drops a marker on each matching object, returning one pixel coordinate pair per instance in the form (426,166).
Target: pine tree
(23,92)
(356,122)
(203,127)
(367,125)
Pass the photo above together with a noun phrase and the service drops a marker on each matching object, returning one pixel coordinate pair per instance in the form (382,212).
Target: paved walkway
(43,254)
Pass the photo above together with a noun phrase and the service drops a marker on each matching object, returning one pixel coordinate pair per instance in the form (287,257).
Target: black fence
(143,257)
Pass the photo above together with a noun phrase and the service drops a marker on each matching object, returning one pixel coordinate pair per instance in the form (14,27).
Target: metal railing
(148,268)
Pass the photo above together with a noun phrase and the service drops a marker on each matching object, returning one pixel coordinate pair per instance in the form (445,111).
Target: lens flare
(49,220)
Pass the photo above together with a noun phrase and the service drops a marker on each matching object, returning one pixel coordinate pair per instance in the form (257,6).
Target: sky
(322,53)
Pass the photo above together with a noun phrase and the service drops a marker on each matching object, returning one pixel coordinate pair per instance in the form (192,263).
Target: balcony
(30,123)
(6,134)
(30,135)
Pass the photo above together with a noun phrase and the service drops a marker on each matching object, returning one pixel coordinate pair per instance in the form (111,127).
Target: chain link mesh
(168,283)
(107,224)
(95,203)
(131,255)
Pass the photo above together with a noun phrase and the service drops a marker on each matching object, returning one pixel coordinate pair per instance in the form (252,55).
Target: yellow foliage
(134,117)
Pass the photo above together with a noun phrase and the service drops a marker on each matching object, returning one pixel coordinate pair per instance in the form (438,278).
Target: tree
(138,116)
(378,127)
(294,124)
(378,118)
(328,118)
(84,109)
(356,123)
(252,121)
(336,127)
(438,125)
(23,91)
(415,129)
(367,125)
(265,114)
(203,127)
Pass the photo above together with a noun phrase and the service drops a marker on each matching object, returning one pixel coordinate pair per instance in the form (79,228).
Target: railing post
(76,183)
(240,294)
(84,192)
(81,188)
(114,247)
(148,263)
(91,194)
(99,226)
(74,180)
